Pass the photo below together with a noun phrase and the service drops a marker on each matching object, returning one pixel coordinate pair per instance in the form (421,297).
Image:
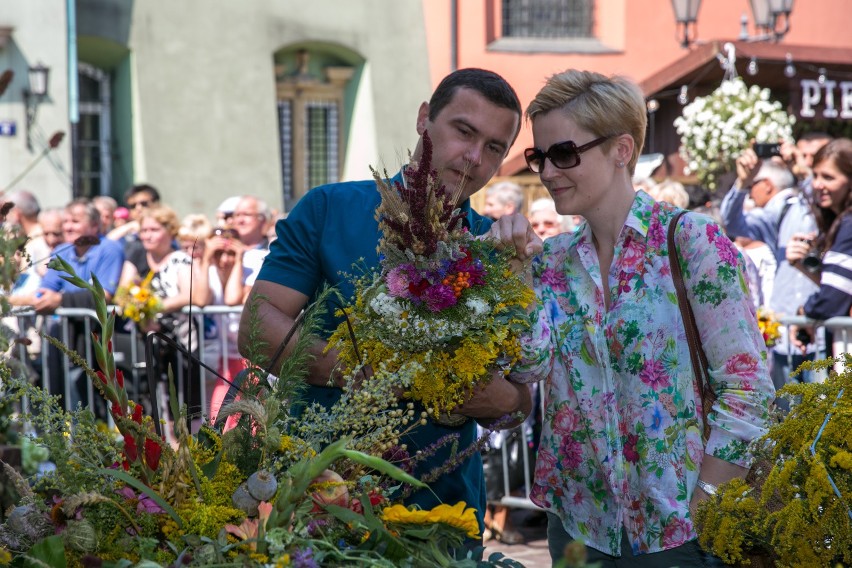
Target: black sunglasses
(563,155)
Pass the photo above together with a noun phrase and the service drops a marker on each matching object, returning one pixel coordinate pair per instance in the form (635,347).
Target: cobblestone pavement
(533,552)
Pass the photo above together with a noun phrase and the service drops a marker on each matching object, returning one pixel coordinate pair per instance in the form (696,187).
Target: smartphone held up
(766,149)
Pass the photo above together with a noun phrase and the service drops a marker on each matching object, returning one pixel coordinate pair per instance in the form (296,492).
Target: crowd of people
(629,441)
(195,261)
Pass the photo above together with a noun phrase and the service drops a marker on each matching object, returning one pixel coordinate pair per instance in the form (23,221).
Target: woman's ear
(624,145)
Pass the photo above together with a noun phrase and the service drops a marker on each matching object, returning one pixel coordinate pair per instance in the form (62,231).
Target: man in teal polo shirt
(472,118)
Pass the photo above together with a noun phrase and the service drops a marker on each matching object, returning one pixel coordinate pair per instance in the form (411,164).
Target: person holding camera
(780,211)
(771,187)
(799,156)
(826,257)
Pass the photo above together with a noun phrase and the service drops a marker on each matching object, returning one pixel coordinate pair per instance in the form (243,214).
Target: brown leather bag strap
(700,367)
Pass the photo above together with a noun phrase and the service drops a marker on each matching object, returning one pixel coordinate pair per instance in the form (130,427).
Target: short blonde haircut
(195,226)
(670,191)
(605,106)
(163,215)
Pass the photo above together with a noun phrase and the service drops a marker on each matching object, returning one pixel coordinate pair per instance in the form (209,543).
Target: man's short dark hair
(487,83)
(143,188)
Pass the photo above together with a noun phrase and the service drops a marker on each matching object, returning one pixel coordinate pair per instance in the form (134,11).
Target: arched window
(91,137)
(547,18)
(310,114)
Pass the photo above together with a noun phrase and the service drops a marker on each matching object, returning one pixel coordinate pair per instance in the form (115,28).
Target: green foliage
(795,506)
(114,498)
(242,445)
(12,241)
(8,425)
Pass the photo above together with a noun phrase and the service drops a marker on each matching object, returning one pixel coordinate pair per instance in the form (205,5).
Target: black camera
(766,150)
(812,261)
(804,336)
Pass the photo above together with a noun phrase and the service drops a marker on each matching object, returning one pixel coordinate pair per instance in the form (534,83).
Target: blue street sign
(7,127)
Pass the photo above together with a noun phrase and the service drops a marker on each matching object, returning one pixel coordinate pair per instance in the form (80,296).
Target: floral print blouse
(621,440)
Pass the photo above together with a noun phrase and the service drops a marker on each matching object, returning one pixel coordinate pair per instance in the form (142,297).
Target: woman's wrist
(707,488)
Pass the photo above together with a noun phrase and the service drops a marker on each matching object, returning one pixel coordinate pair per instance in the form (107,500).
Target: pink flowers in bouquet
(436,289)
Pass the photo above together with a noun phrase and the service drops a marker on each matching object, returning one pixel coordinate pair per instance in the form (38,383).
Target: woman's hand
(213,245)
(697,497)
(801,336)
(496,399)
(236,246)
(714,471)
(798,247)
(515,231)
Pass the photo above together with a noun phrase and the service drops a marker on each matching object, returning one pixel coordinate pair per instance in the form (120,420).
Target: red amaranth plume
(418,215)
(5,79)
(56,139)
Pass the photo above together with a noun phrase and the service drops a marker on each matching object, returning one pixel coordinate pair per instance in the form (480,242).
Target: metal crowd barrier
(841,329)
(128,350)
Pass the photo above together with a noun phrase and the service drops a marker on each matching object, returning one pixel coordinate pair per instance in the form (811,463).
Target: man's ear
(771,188)
(422,118)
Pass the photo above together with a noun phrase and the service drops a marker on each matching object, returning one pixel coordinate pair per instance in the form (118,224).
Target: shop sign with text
(827,99)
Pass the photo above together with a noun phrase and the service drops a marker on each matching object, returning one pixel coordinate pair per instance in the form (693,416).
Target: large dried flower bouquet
(442,301)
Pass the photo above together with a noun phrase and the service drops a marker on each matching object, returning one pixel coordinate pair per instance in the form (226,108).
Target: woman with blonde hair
(170,281)
(622,461)
(670,191)
(193,233)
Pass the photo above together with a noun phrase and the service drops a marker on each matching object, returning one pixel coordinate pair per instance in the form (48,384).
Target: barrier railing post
(66,365)
(45,371)
(840,344)
(90,389)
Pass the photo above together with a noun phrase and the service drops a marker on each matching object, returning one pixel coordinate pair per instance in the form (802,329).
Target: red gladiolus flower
(119,377)
(153,451)
(130,449)
(117,411)
(109,345)
(101,376)
(125,465)
(137,414)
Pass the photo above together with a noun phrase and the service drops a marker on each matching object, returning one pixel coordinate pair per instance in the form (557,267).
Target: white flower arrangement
(715,129)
